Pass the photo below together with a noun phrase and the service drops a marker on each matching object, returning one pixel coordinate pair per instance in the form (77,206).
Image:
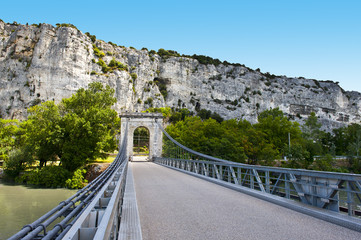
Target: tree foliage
(79,129)
(8,130)
(270,140)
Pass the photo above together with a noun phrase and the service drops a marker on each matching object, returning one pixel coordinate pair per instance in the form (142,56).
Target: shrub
(98,53)
(101,63)
(270,76)
(114,64)
(216,77)
(134,76)
(66,25)
(167,53)
(113,44)
(149,101)
(162,86)
(93,38)
(36,101)
(207,60)
(16,162)
(77,180)
(217,101)
(49,176)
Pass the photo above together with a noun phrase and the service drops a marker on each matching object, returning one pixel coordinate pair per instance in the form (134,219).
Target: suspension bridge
(183,194)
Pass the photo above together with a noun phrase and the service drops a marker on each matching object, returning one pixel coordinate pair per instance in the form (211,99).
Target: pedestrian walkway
(173,205)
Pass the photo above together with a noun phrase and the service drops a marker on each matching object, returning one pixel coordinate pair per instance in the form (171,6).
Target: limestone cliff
(43,62)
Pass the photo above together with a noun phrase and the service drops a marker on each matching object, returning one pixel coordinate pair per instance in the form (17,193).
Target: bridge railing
(92,213)
(338,192)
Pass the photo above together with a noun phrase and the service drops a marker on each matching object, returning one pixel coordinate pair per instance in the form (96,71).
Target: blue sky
(315,39)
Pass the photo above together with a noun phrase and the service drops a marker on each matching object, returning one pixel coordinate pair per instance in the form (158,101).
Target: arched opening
(141,142)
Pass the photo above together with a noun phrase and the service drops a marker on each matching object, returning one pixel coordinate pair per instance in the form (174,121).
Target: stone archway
(149,121)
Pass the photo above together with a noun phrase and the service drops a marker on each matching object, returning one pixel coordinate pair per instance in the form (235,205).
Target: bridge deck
(174,205)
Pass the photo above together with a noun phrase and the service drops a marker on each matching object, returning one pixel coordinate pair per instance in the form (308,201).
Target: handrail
(73,206)
(334,191)
(343,176)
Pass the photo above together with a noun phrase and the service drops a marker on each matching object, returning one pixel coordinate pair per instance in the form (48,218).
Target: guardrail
(332,191)
(101,218)
(338,192)
(93,212)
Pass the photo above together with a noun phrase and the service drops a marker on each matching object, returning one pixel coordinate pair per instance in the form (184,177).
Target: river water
(21,205)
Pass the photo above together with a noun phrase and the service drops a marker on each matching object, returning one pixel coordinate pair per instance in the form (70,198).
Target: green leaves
(80,129)
(8,129)
(276,128)
(238,141)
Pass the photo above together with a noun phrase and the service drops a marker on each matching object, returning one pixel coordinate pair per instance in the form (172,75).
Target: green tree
(311,128)
(208,137)
(353,136)
(298,157)
(8,131)
(277,128)
(80,129)
(324,163)
(42,132)
(340,140)
(89,125)
(311,131)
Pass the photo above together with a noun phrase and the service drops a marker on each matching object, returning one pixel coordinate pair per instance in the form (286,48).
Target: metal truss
(338,192)
(333,191)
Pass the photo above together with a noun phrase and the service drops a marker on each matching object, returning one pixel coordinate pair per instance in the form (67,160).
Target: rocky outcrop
(43,62)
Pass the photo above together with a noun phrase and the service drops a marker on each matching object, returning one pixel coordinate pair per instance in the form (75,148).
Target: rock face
(40,63)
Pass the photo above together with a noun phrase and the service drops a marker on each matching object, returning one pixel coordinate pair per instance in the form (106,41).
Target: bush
(16,162)
(104,66)
(134,76)
(207,60)
(114,64)
(93,38)
(167,53)
(162,86)
(217,101)
(99,53)
(66,25)
(49,176)
(149,101)
(77,181)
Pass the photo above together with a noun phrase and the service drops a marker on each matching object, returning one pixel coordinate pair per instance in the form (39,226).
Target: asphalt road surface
(174,205)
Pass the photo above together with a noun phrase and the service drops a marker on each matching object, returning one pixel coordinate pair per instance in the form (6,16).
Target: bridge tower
(149,121)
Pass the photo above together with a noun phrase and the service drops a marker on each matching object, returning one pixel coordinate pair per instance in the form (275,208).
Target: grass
(109,159)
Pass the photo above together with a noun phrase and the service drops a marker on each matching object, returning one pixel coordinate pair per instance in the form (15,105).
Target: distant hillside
(43,62)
